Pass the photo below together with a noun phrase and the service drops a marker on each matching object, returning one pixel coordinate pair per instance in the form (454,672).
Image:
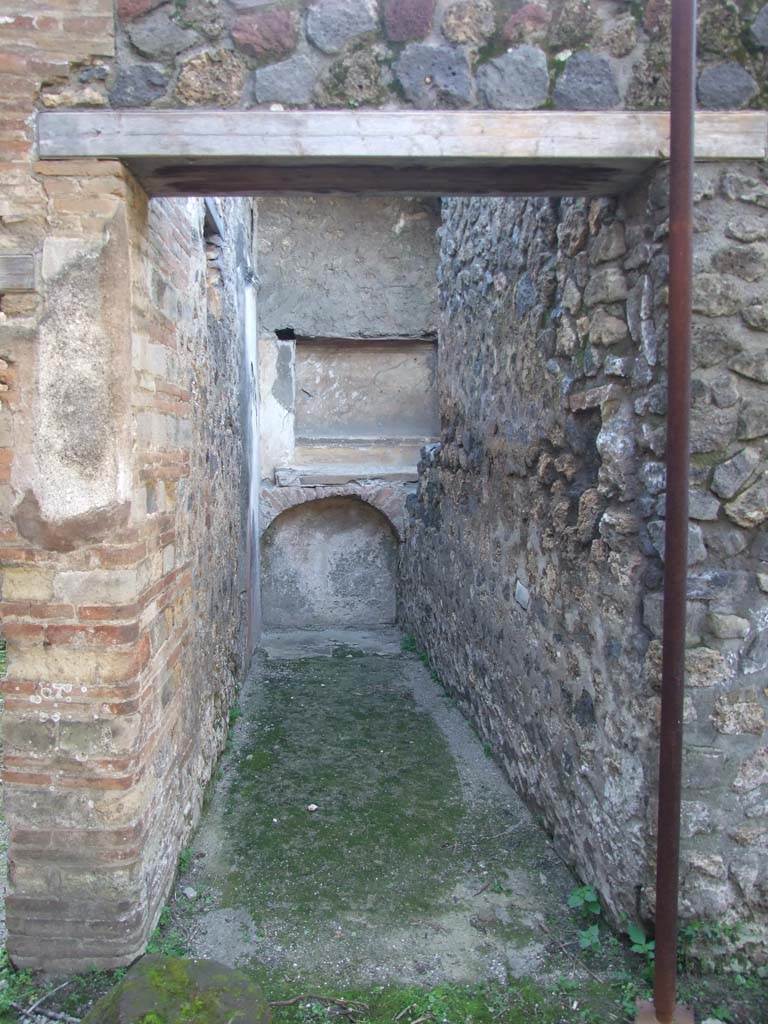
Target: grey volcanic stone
(518,80)
(697,551)
(750,508)
(753,421)
(726,86)
(405,20)
(747,229)
(431,75)
(756,316)
(587,83)
(730,476)
(158,35)
(753,365)
(607,285)
(137,86)
(760,27)
(291,81)
(712,428)
(331,24)
(701,506)
(713,295)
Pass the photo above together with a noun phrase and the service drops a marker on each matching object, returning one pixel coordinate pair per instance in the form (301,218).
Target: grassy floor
(392,835)
(385,786)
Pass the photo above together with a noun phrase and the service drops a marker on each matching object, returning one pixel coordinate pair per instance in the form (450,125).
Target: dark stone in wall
(406,20)
(159,36)
(725,87)
(587,83)
(137,86)
(291,81)
(518,80)
(331,24)
(433,76)
(759,29)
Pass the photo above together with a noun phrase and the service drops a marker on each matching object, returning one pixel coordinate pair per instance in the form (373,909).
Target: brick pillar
(74,741)
(75,747)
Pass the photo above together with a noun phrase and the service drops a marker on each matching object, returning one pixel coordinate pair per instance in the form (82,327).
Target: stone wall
(545,499)
(122,519)
(570,54)
(347,321)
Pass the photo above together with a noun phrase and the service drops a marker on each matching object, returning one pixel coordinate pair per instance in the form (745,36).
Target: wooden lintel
(17,272)
(433,152)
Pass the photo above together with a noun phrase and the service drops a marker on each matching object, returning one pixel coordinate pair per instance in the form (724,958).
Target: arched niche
(329,563)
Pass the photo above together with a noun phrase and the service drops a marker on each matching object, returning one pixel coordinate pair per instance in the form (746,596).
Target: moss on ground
(335,733)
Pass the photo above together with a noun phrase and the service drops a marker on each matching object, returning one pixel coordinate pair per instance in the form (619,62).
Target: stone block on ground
(175,990)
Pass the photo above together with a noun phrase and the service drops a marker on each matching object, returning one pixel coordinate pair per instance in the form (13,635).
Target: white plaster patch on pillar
(276,366)
(84,376)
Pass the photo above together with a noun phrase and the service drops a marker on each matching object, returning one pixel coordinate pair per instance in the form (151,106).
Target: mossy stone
(172,990)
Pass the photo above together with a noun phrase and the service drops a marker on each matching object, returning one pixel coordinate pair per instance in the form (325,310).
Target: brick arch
(385,498)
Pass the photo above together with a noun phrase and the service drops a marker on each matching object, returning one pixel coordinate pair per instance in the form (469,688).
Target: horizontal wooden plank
(17,272)
(483,178)
(399,136)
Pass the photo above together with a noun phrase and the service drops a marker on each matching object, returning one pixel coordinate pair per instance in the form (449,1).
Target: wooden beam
(17,272)
(438,152)
(208,178)
(373,136)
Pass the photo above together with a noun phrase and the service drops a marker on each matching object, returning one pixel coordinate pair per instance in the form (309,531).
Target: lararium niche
(331,562)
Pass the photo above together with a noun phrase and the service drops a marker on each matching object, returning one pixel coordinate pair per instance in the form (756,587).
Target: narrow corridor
(359,831)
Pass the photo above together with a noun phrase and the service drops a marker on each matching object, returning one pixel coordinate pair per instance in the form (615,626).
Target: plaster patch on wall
(84,377)
(276,414)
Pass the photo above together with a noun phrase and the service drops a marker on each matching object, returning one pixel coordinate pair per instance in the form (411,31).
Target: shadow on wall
(329,563)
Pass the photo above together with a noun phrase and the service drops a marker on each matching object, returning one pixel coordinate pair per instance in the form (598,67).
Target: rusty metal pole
(683,104)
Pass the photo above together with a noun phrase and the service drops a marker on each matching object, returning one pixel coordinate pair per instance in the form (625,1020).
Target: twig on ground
(483,887)
(31,1009)
(42,1012)
(577,960)
(349,1007)
(402,1013)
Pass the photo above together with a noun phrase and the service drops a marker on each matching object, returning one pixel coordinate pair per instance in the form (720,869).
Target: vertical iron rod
(676,527)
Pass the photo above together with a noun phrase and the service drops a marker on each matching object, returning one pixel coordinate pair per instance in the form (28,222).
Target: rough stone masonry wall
(570,54)
(121,520)
(533,558)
